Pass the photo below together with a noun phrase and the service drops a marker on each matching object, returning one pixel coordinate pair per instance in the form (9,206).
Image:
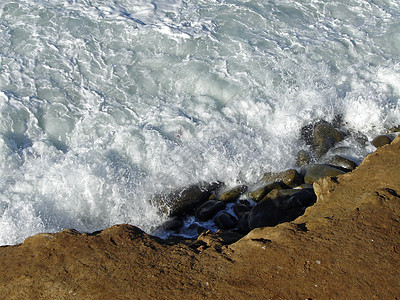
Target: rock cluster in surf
(277,198)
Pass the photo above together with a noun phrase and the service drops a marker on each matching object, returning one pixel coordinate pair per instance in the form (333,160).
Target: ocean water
(105,103)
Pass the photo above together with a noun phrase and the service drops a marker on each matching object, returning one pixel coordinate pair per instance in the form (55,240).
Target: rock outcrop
(345,246)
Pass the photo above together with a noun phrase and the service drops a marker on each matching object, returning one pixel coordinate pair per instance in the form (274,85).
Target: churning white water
(104,103)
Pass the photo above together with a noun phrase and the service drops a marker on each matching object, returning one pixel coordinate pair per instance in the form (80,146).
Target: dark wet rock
(280,206)
(225,220)
(342,162)
(292,213)
(291,178)
(381,140)
(340,150)
(275,194)
(302,198)
(209,209)
(322,136)
(182,202)
(241,207)
(265,213)
(172,224)
(232,194)
(317,171)
(303,158)
(325,136)
(261,192)
(285,199)
(287,203)
(243,223)
(307,199)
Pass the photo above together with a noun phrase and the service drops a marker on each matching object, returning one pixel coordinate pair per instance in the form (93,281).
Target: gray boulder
(172,224)
(381,140)
(241,207)
(290,178)
(325,136)
(265,213)
(261,192)
(232,194)
(280,206)
(243,223)
(209,209)
(342,162)
(317,171)
(225,220)
(182,202)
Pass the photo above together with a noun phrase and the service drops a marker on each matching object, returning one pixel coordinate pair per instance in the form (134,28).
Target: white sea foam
(106,103)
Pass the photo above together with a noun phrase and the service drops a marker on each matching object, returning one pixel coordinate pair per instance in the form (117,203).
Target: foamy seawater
(104,104)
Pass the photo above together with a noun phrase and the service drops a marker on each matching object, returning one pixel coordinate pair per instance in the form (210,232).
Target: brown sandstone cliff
(345,246)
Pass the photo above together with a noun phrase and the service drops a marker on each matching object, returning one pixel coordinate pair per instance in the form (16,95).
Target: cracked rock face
(344,246)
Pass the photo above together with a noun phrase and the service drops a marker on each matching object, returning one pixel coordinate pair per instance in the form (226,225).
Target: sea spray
(105,104)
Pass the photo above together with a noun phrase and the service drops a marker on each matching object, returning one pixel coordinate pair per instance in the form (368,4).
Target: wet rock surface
(325,136)
(225,220)
(317,171)
(208,210)
(321,136)
(205,202)
(280,206)
(182,202)
(277,203)
(340,161)
(290,178)
(241,208)
(233,194)
(261,192)
(172,224)
(381,140)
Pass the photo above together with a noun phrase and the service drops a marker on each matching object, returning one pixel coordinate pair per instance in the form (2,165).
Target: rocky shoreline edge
(276,198)
(346,244)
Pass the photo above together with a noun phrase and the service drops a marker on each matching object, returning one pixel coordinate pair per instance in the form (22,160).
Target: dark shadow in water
(123,168)
(59,144)
(17,142)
